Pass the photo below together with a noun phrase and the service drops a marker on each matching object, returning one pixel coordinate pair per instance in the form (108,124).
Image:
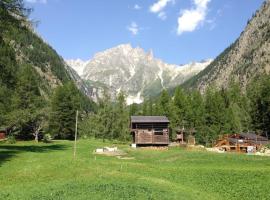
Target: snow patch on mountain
(77,64)
(160,77)
(134,99)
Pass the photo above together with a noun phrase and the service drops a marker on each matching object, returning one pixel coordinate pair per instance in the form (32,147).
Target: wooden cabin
(241,142)
(150,130)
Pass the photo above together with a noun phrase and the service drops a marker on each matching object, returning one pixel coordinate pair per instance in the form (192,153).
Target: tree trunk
(36,137)
(36,133)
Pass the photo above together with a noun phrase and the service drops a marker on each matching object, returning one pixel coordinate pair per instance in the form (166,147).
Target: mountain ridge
(137,72)
(244,60)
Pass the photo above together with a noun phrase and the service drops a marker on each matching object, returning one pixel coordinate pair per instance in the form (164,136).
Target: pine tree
(64,104)
(145,108)
(215,115)
(121,122)
(259,94)
(237,114)
(150,107)
(164,103)
(27,89)
(180,104)
(5,103)
(26,102)
(197,108)
(8,65)
(133,109)
(105,117)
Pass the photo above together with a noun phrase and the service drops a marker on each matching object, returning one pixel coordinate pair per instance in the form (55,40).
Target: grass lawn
(48,171)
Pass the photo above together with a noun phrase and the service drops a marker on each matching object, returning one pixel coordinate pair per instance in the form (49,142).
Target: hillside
(21,46)
(35,82)
(136,72)
(248,57)
(29,49)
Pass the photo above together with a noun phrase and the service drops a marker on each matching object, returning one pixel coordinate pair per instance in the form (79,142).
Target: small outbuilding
(185,136)
(2,134)
(150,130)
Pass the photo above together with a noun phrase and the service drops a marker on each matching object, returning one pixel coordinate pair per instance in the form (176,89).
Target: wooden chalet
(242,142)
(150,130)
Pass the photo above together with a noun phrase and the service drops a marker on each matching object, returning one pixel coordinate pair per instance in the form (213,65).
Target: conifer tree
(25,103)
(259,94)
(133,109)
(150,107)
(64,104)
(215,117)
(27,90)
(196,113)
(164,103)
(180,108)
(105,117)
(8,65)
(145,108)
(121,122)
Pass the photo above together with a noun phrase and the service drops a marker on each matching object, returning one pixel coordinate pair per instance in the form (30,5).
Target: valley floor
(48,171)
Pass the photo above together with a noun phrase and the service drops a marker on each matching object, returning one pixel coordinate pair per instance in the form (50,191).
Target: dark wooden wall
(150,133)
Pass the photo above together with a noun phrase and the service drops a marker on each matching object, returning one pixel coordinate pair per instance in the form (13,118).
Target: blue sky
(178,31)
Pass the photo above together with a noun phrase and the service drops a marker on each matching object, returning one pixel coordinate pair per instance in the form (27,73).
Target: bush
(47,138)
(11,139)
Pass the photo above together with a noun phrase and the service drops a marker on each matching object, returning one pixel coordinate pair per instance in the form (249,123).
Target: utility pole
(75,139)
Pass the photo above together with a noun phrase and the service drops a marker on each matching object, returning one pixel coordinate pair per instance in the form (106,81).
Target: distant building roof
(253,136)
(149,119)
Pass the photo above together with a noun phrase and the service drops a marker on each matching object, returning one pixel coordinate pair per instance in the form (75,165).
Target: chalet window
(158,131)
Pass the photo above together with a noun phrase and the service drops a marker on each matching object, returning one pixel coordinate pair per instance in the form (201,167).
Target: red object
(2,135)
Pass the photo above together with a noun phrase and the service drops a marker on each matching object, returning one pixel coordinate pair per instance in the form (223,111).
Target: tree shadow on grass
(9,151)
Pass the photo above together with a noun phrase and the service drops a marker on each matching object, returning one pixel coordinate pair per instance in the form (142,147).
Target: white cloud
(133,28)
(159,5)
(162,15)
(212,23)
(190,19)
(36,1)
(137,7)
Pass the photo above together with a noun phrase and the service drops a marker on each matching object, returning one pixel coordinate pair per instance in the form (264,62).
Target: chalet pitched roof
(254,142)
(149,119)
(252,136)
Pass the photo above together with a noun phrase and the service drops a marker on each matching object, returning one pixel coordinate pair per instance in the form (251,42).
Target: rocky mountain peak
(77,64)
(247,58)
(135,71)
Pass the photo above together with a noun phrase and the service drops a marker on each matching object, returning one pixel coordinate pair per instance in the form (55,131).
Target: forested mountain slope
(247,58)
(37,88)
(21,46)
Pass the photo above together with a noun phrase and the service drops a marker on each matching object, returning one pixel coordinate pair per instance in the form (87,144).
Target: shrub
(47,138)
(11,139)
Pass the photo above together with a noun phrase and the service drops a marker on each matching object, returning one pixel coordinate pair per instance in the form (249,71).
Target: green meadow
(49,171)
